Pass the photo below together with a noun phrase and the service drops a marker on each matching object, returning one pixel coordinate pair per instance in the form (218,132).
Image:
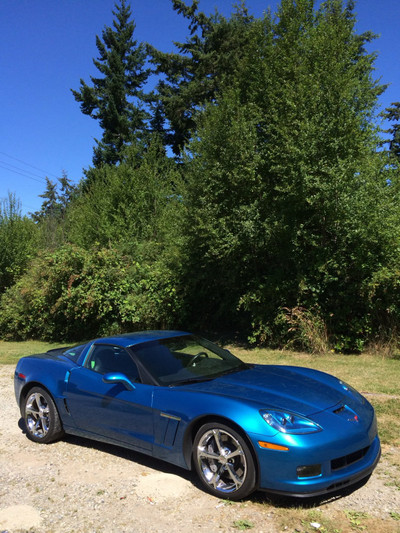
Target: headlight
(290,423)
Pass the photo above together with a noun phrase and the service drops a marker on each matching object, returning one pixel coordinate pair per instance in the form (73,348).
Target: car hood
(299,390)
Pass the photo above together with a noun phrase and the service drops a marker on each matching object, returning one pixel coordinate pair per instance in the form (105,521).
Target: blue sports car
(181,398)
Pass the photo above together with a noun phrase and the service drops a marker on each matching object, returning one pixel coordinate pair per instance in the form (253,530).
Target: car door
(109,409)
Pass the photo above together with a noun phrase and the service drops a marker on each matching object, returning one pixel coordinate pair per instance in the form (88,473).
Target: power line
(28,174)
(24,175)
(29,165)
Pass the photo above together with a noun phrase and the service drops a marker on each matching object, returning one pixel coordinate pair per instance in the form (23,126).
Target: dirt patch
(381,395)
(79,485)
(19,517)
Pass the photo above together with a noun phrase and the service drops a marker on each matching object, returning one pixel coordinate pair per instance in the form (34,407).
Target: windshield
(185,359)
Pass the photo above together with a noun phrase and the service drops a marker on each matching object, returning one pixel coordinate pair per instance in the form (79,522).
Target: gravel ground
(76,485)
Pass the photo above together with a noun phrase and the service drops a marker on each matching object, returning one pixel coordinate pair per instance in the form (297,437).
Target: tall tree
(115,98)
(68,192)
(392,114)
(192,76)
(285,225)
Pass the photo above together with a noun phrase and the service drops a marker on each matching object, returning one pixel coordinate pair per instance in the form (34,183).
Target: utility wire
(27,164)
(27,172)
(24,175)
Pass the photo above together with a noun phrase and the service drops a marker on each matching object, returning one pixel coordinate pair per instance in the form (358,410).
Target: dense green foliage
(128,205)
(286,190)
(74,293)
(18,242)
(279,219)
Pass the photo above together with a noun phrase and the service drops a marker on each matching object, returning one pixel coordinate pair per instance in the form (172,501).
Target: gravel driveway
(76,485)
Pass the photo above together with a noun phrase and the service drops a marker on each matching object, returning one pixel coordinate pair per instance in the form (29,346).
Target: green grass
(10,352)
(366,373)
(388,414)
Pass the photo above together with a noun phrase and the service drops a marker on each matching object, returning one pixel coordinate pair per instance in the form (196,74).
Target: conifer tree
(392,114)
(192,77)
(50,206)
(56,198)
(115,98)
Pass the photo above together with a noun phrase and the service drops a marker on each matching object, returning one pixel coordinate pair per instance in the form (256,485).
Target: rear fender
(51,375)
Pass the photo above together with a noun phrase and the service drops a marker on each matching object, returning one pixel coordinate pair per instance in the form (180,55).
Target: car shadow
(278,501)
(124,453)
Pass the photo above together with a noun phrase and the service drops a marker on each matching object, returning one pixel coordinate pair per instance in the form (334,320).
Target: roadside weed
(242,525)
(355,518)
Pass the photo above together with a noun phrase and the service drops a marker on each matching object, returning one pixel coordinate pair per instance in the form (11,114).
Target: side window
(104,359)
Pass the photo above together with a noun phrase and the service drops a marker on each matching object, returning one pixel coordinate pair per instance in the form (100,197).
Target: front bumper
(336,483)
(341,464)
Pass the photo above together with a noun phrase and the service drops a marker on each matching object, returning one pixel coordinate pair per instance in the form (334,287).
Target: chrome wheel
(41,417)
(37,415)
(224,462)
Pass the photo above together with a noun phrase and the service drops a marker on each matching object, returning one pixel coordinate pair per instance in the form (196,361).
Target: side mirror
(117,377)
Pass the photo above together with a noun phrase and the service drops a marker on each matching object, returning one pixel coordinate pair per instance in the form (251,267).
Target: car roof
(130,339)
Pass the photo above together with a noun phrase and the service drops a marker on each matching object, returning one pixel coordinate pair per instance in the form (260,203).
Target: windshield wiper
(240,368)
(191,380)
(199,379)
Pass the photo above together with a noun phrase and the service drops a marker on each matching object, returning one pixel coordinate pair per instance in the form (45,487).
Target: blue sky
(46,46)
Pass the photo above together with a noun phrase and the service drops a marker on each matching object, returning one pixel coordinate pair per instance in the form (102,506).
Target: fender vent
(66,406)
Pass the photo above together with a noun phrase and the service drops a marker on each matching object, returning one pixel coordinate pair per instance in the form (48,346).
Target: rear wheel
(224,462)
(41,417)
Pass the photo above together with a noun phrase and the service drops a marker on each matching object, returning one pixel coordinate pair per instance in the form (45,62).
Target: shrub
(76,294)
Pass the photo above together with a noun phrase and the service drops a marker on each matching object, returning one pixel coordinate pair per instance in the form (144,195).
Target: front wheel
(224,462)
(41,417)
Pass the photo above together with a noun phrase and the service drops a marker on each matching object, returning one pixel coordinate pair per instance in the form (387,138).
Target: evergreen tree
(55,202)
(193,76)
(50,206)
(51,219)
(115,98)
(68,191)
(392,114)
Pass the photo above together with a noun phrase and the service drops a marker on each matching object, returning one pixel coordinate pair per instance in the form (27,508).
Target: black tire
(224,462)
(41,417)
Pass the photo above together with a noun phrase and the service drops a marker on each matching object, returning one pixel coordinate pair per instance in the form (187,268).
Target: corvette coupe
(183,399)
